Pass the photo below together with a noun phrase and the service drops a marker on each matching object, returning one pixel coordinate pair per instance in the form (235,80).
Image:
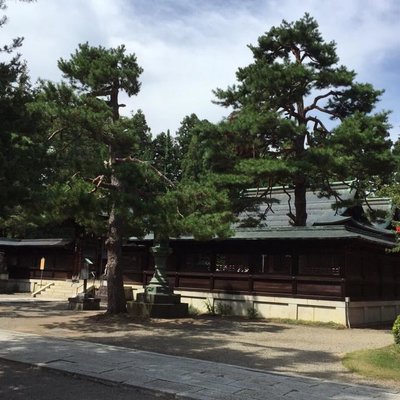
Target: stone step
(59,290)
(62,290)
(55,292)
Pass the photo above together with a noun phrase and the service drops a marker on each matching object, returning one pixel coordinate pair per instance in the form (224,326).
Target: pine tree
(185,132)
(166,155)
(282,107)
(91,144)
(21,154)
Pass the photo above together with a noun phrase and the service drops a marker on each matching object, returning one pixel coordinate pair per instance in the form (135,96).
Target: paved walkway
(183,377)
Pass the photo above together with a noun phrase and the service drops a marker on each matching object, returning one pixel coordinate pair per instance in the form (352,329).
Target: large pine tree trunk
(300,181)
(300,202)
(115,284)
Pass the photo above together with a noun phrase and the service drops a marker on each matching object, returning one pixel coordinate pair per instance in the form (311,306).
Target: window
(196,262)
(131,262)
(232,263)
(320,264)
(276,264)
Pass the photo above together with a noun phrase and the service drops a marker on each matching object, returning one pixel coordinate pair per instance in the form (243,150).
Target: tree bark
(300,181)
(115,283)
(300,202)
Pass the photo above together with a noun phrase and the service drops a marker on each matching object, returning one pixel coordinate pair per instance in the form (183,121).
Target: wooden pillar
(295,272)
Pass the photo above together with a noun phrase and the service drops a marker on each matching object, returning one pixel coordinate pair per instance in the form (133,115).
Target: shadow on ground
(206,338)
(32,309)
(249,343)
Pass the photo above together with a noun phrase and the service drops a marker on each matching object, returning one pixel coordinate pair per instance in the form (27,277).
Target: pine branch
(99,183)
(318,98)
(296,52)
(152,167)
(318,121)
(290,110)
(55,133)
(324,110)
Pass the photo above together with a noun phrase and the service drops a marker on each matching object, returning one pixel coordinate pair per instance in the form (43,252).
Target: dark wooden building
(337,268)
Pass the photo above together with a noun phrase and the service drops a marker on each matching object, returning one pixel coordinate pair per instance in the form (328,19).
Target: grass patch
(288,321)
(383,363)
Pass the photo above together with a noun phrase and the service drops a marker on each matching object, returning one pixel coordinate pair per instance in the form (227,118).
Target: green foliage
(196,208)
(362,148)
(22,154)
(100,71)
(86,136)
(193,311)
(330,324)
(252,313)
(185,132)
(396,330)
(278,133)
(131,172)
(392,190)
(210,306)
(224,309)
(166,155)
(378,364)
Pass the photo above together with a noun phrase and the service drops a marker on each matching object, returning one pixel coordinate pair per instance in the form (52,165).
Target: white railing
(42,289)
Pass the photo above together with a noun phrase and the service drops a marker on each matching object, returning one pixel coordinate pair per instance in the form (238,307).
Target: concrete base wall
(352,314)
(269,307)
(364,313)
(16,285)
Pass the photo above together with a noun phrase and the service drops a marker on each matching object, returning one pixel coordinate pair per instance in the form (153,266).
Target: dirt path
(295,349)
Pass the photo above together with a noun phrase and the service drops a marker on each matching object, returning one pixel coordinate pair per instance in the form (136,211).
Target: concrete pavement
(182,377)
(20,381)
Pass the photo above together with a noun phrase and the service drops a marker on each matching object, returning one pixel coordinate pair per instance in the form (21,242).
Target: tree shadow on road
(236,341)
(207,338)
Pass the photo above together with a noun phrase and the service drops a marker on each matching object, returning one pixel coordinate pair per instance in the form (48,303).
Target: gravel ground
(294,349)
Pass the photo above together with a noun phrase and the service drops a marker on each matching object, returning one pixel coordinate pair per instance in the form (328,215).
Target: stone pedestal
(103,295)
(158,299)
(162,307)
(83,303)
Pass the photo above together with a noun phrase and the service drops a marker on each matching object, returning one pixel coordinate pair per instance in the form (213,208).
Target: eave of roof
(326,232)
(34,242)
(320,232)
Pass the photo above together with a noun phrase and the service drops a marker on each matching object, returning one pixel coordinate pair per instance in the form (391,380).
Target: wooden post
(41,267)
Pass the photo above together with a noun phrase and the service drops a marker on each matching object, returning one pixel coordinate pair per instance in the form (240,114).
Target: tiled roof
(279,202)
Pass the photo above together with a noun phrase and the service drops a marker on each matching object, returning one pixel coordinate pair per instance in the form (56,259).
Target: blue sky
(190,47)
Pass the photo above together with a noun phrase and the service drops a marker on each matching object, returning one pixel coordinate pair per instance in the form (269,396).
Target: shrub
(224,309)
(252,313)
(396,330)
(193,311)
(210,306)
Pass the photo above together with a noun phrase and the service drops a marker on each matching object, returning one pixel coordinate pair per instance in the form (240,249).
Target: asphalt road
(20,382)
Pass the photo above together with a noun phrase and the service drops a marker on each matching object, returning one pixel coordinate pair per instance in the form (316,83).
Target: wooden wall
(317,269)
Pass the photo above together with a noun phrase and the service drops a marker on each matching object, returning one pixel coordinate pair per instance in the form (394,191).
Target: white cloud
(188,48)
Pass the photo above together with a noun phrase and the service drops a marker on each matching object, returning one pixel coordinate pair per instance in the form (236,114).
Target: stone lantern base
(83,303)
(158,306)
